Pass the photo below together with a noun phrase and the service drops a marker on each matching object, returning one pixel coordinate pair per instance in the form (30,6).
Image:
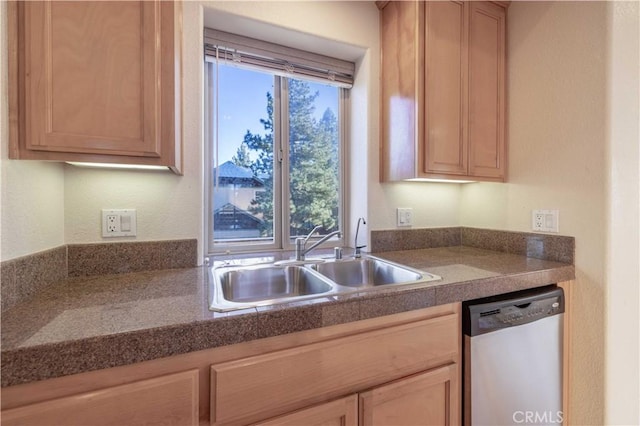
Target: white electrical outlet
(404,216)
(545,220)
(119,223)
(112,221)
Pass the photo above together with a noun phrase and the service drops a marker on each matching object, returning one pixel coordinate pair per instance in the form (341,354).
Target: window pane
(243,195)
(314,161)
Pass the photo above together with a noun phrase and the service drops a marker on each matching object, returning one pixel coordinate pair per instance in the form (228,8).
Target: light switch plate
(404,217)
(118,223)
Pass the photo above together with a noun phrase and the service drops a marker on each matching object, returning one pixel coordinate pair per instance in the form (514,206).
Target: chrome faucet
(357,254)
(301,242)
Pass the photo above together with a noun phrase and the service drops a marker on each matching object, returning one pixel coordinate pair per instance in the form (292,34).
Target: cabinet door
(487,90)
(402,56)
(95,81)
(167,400)
(430,398)
(445,144)
(93,74)
(342,412)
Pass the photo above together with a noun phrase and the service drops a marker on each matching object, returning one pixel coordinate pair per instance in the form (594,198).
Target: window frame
(282,240)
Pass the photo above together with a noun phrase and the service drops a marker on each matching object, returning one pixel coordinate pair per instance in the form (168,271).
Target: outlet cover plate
(545,220)
(119,223)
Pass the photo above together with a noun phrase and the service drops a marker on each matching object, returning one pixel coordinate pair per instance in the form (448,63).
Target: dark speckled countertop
(84,324)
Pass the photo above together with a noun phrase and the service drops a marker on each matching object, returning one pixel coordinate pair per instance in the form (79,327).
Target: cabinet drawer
(167,400)
(255,388)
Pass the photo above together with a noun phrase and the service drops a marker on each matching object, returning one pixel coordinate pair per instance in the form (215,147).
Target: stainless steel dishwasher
(513,358)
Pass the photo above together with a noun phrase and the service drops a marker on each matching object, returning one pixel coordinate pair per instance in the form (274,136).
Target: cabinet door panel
(268,385)
(486,90)
(430,398)
(445,88)
(93,77)
(166,400)
(401,56)
(342,412)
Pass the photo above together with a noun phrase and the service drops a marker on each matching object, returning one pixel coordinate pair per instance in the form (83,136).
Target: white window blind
(278,59)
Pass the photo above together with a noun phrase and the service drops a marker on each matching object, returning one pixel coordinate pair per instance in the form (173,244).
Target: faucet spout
(301,250)
(313,231)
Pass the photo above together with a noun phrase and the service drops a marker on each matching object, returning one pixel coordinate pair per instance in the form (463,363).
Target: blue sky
(243,102)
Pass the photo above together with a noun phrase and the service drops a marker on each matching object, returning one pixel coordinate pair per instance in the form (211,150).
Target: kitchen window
(275,146)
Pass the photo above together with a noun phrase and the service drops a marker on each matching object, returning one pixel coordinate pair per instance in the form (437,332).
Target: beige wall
(557,144)
(32,200)
(622,342)
(433,204)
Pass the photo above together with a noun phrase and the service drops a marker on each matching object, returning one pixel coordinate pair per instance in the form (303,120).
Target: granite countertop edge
(55,359)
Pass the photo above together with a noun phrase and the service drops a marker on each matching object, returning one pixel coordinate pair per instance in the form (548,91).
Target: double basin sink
(240,287)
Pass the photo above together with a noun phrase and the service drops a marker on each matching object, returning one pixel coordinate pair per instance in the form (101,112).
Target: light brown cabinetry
(171,400)
(248,390)
(445,127)
(341,412)
(443,90)
(429,398)
(96,81)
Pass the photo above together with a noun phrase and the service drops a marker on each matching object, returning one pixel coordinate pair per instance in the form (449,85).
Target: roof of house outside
(230,209)
(230,171)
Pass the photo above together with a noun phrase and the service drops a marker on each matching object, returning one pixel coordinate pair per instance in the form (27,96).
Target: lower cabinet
(402,374)
(170,400)
(429,398)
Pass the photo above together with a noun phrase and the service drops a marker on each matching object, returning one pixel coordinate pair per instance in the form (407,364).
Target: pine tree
(262,167)
(314,164)
(242,157)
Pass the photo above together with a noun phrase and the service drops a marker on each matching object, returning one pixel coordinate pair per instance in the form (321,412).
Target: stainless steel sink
(368,271)
(245,286)
(241,286)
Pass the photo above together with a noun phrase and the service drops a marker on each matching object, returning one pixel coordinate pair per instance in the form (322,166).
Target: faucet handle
(337,252)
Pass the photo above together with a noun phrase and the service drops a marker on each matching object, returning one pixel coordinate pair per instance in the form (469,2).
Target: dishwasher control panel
(512,309)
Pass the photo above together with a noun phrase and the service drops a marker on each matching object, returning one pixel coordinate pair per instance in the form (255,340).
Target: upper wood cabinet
(443,90)
(96,81)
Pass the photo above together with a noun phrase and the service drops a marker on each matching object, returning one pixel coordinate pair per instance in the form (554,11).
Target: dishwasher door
(513,359)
